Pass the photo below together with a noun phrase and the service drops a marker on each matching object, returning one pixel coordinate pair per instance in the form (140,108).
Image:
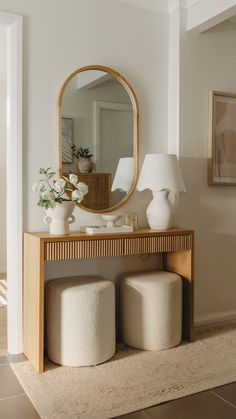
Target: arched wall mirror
(98,115)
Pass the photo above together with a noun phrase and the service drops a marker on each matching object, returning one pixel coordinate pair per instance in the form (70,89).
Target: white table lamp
(160,173)
(124,175)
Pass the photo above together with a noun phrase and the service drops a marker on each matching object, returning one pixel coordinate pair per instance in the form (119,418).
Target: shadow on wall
(211,212)
(207,208)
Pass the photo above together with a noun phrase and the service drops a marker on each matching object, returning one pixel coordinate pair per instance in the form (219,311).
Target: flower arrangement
(81,152)
(52,191)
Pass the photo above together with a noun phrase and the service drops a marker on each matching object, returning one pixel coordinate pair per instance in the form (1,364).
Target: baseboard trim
(215,318)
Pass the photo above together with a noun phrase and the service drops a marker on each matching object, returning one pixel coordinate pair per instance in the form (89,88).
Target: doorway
(3,238)
(11,26)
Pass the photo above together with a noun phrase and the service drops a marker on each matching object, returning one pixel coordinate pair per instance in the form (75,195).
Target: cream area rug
(133,379)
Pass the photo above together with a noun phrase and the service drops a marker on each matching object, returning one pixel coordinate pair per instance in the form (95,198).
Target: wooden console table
(175,244)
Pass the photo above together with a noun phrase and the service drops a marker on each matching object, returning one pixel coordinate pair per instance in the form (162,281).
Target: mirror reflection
(98,136)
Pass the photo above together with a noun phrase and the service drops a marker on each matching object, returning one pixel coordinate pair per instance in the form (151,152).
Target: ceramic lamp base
(160,211)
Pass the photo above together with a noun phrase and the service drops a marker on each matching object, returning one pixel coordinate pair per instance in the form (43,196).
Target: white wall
(59,37)
(3,148)
(208,62)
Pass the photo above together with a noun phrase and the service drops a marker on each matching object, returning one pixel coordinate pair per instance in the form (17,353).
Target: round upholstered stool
(151,309)
(80,315)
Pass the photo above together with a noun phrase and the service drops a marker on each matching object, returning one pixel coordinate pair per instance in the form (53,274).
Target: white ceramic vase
(160,211)
(59,217)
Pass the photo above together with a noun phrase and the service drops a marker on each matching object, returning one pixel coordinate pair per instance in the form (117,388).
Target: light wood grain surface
(175,244)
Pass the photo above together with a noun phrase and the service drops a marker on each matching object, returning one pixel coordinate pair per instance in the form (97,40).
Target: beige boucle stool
(80,316)
(151,309)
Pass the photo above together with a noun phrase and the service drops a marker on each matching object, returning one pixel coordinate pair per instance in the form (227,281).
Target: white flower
(77,196)
(46,195)
(37,187)
(81,186)
(59,185)
(73,179)
(52,190)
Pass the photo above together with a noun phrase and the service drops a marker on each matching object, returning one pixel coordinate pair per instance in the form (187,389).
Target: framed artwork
(67,139)
(222,139)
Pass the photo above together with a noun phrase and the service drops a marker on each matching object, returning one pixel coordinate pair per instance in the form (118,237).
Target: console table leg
(33,301)
(182,264)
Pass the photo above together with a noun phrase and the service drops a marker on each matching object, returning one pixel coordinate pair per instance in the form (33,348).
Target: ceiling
(155,5)
(160,5)
(168,6)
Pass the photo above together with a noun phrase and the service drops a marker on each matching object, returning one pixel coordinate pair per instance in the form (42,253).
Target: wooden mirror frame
(135,106)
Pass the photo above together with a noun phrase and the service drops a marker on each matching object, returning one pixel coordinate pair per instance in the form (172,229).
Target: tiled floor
(14,404)
(219,403)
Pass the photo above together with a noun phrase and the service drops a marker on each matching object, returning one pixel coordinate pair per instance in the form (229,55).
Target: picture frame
(222,139)
(67,139)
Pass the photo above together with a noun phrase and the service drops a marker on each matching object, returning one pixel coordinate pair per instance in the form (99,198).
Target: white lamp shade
(161,171)
(124,175)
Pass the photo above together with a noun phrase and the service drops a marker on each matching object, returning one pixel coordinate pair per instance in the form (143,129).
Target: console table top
(143,232)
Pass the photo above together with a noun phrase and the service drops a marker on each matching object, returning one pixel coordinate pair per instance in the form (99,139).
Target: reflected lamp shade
(161,174)
(124,175)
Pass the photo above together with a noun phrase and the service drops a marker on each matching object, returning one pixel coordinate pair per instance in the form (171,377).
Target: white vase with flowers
(58,197)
